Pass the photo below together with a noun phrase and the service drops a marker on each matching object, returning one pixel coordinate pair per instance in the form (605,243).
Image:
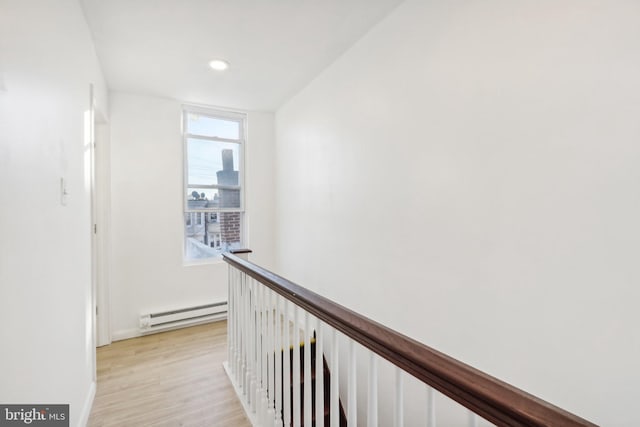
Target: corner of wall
(88,404)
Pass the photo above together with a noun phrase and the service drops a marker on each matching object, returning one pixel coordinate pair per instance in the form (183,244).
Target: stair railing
(268,314)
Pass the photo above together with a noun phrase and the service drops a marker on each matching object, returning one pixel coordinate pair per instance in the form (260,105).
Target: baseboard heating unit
(187,316)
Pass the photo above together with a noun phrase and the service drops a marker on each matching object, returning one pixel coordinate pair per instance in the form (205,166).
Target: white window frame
(241,119)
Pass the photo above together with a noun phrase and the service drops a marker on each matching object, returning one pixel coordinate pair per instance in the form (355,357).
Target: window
(213,190)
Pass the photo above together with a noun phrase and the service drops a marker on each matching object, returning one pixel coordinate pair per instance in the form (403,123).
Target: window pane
(202,198)
(210,126)
(212,162)
(208,198)
(208,234)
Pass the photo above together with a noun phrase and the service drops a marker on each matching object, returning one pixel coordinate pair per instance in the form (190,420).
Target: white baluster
(241,341)
(238,330)
(230,312)
(243,287)
(263,357)
(279,351)
(286,346)
(473,419)
(296,368)
(431,407)
(353,403)
(271,384)
(335,380)
(398,410)
(259,352)
(372,418)
(255,326)
(319,376)
(252,344)
(236,340)
(307,370)
(246,325)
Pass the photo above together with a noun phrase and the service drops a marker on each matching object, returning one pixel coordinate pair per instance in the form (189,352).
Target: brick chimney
(229,221)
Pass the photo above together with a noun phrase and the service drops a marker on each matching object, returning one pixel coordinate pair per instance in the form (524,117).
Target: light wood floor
(173,378)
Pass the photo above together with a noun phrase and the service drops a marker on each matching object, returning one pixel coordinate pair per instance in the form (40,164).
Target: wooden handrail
(240,251)
(487,396)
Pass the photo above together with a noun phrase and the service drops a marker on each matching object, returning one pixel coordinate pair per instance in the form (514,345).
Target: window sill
(205,261)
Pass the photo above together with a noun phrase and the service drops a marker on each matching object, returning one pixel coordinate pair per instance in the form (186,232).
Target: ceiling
(274,47)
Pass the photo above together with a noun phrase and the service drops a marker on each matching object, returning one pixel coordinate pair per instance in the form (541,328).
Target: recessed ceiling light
(219,64)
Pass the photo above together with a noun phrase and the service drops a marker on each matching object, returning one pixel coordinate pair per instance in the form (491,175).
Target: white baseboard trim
(135,333)
(253,418)
(88,404)
(125,334)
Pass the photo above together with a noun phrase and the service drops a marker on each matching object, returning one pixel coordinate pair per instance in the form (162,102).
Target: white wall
(147,270)
(468,175)
(47,63)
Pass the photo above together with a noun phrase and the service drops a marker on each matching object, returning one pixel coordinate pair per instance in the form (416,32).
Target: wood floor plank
(168,379)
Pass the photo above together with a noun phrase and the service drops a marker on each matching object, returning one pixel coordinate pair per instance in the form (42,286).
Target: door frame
(100,215)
